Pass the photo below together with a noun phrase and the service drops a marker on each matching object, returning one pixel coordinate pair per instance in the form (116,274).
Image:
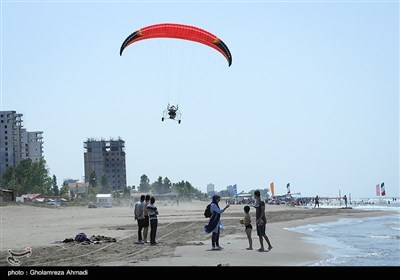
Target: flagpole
(340,199)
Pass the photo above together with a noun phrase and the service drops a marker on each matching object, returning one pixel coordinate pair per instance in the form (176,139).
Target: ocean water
(371,241)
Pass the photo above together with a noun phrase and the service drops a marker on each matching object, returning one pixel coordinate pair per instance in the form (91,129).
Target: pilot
(172,111)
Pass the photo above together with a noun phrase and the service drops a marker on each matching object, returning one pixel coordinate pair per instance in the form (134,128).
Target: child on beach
(247,225)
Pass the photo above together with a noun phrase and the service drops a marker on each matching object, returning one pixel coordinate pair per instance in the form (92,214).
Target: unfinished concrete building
(16,143)
(106,157)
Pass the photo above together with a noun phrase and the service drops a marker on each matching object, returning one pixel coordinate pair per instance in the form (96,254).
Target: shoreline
(290,248)
(182,240)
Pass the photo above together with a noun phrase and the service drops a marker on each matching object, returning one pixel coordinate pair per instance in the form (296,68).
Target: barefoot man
(261,221)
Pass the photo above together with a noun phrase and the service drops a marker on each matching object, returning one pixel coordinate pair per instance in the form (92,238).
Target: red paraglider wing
(179,31)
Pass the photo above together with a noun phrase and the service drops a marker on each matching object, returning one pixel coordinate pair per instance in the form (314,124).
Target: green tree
(28,177)
(126,192)
(64,191)
(166,185)
(56,191)
(157,186)
(93,179)
(186,190)
(144,185)
(92,192)
(105,187)
(224,193)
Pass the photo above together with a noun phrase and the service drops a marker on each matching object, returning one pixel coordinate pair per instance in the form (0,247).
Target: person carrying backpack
(214,223)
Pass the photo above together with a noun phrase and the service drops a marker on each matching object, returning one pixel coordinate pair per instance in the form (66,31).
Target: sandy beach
(182,241)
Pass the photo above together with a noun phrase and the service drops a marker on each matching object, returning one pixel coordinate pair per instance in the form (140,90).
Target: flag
(383,193)
(288,188)
(271,188)
(378,190)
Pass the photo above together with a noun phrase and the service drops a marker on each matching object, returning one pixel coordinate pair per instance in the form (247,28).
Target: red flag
(272,189)
(378,190)
(383,193)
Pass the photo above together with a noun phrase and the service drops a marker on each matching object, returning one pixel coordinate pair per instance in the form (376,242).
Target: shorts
(146,221)
(249,226)
(261,230)
(140,222)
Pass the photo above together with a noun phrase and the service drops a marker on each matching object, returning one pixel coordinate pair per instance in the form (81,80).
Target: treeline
(29,177)
(33,177)
(183,188)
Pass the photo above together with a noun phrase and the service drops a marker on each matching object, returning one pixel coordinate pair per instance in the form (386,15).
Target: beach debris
(102,238)
(68,240)
(84,240)
(223,264)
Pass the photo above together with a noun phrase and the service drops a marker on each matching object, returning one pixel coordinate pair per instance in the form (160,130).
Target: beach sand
(182,241)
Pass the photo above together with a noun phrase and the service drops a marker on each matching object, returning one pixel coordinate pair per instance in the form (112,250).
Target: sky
(311,97)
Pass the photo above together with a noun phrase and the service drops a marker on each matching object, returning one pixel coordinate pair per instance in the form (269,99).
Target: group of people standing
(215,225)
(145,212)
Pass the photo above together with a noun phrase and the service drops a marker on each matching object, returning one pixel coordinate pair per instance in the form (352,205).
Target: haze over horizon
(311,97)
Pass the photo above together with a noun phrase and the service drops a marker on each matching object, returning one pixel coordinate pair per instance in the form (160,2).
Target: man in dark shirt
(261,221)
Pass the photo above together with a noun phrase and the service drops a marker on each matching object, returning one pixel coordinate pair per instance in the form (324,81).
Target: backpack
(207,212)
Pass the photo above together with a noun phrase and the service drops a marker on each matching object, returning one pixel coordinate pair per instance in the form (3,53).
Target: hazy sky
(311,98)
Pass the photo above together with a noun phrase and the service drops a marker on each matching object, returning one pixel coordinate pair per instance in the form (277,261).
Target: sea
(373,241)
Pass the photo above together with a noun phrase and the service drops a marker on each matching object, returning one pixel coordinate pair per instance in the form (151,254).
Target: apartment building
(16,143)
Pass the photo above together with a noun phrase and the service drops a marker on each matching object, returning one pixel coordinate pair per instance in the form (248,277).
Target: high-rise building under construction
(106,157)
(16,143)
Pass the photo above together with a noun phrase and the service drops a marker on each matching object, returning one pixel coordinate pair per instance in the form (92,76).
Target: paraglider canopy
(173,64)
(178,31)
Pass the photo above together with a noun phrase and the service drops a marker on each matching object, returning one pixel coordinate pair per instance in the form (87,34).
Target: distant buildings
(106,157)
(16,143)
(232,189)
(78,187)
(210,190)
